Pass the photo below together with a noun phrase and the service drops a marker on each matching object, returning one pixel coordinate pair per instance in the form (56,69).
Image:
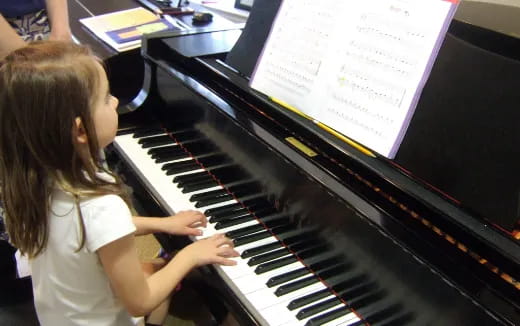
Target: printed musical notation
(357,67)
(291,63)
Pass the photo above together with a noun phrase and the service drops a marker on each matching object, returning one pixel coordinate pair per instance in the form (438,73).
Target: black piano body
(400,252)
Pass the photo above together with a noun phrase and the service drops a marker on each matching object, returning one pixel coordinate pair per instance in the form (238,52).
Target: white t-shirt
(71,288)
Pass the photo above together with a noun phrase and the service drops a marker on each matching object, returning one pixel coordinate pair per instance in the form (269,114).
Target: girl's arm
(183,223)
(10,40)
(59,19)
(141,295)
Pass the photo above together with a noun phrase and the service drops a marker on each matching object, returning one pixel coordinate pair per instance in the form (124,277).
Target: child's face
(105,114)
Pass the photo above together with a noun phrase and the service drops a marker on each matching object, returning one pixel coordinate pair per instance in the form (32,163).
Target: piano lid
(462,141)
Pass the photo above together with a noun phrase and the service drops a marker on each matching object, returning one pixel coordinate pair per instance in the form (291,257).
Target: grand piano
(327,234)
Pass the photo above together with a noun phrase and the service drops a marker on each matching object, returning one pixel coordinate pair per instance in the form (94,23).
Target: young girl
(64,210)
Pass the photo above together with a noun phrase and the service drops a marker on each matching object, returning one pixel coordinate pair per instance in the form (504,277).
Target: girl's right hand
(216,249)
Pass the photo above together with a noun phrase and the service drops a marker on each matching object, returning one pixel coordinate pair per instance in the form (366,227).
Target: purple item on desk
(133,33)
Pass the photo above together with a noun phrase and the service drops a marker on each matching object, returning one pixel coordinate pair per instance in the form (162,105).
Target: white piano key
(158,182)
(345,320)
(255,244)
(167,192)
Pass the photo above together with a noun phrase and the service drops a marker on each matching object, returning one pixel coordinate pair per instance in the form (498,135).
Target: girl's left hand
(184,223)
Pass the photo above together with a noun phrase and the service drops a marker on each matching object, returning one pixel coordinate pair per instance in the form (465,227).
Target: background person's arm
(9,40)
(59,20)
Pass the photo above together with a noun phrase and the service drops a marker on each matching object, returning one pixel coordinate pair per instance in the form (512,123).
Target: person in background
(24,21)
(65,210)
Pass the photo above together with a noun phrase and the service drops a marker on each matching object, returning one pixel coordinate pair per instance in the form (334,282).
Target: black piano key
(262,258)
(200,146)
(163,158)
(155,141)
(257,202)
(186,136)
(301,245)
(333,271)
(245,231)
(299,236)
(309,298)
(274,264)
(227,208)
(245,201)
(317,308)
(235,221)
(251,238)
(212,201)
(318,250)
(207,162)
(384,315)
(214,160)
(261,249)
(286,277)
(205,177)
(180,167)
(145,132)
(350,293)
(229,215)
(228,171)
(326,263)
(133,130)
(259,211)
(158,151)
(237,191)
(328,316)
(201,155)
(344,290)
(296,285)
(259,227)
(208,195)
(193,184)
(367,299)
(338,287)
(199,186)
(233,184)
(259,259)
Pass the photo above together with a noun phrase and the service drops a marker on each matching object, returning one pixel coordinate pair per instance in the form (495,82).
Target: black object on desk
(202,17)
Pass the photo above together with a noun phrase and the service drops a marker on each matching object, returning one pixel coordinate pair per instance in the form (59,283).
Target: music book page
(356,66)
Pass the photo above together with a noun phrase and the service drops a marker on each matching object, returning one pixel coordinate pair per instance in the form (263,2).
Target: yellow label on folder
(150,28)
(299,145)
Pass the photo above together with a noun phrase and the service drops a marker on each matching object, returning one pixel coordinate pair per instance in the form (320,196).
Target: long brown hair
(44,87)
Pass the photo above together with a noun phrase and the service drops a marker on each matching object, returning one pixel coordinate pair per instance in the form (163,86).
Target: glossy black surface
(361,207)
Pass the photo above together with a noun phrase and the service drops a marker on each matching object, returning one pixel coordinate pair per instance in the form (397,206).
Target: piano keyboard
(268,277)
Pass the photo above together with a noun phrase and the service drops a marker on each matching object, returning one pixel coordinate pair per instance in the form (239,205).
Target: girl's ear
(79,131)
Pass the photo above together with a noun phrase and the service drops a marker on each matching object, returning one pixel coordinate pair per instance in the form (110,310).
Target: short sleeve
(107,218)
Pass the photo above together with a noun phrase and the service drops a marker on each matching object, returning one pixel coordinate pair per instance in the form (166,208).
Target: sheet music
(356,66)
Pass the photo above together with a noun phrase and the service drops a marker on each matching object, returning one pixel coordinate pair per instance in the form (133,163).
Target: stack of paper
(122,30)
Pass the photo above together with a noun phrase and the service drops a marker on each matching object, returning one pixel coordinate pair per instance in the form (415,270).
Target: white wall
(498,15)
(502,2)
